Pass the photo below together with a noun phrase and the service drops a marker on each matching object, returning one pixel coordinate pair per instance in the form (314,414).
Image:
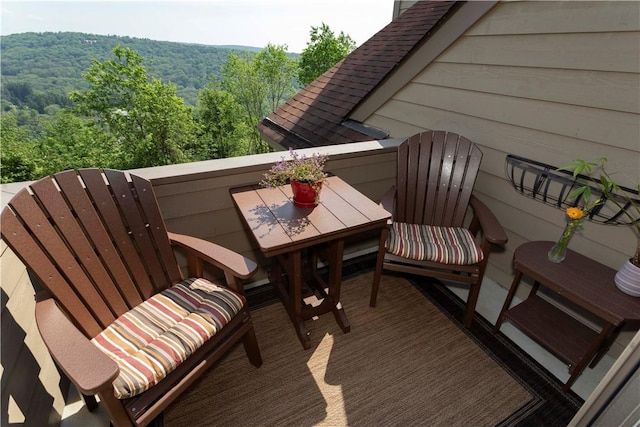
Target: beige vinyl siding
(549,81)
(199,203)
(608,90)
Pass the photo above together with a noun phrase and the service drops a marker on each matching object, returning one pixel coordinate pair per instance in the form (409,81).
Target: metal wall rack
(547,184)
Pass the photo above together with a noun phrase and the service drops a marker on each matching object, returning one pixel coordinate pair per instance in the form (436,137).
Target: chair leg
(377,275)
(90,402)
(250,343)
(472,300)
(115,408)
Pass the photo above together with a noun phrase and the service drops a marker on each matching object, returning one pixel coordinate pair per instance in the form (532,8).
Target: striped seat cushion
(152,339)
(446,245)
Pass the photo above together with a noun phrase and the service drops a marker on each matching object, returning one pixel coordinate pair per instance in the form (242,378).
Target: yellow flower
(575,213)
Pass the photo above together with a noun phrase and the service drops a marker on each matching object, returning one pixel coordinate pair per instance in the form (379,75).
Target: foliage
(53,62)
(17,162)
(598,176)
(70,142)
(22,95)
(241,79)
(119,116)
(223,132)
(66,142)
(278,73)
(259,83)
(150,122)
(299,168)
(125,119)
(323,52)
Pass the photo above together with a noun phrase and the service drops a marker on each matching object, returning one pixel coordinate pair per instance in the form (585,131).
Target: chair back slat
(456,157)
(401,182)
(442,162)
(49,238)
(77,196)
(149,207)
(413,156)
(95,239)
(469,158)
(422,181)
(125,198)
(436,173)
(120,234)
(24,244)
(70,229)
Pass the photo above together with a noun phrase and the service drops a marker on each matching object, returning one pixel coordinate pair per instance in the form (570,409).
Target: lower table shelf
(567,338)
(581,281)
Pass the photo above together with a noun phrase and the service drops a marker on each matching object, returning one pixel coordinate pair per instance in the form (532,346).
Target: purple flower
(298,168)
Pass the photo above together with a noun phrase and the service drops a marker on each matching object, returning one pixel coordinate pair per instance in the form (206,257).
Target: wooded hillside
(53,63)
(72,100)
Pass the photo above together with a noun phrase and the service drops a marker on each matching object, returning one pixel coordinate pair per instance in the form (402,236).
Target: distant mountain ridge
(55,62)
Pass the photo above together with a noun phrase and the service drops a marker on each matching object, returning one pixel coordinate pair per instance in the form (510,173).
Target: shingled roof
(316,115)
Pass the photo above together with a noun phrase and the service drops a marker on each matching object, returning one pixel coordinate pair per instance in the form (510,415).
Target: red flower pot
(306,195)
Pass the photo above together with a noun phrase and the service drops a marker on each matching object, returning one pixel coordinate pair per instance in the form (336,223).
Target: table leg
(331,295)
(507,302)
(291,296)
(593,349)
(275,273)
(604,348)
(534,289)
(336,250)
(377,274)
(295,294)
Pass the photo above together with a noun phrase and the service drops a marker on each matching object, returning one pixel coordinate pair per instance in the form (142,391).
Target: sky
(211,22)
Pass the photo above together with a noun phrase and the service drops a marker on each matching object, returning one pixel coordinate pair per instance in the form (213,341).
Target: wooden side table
(581,280)
(284,232)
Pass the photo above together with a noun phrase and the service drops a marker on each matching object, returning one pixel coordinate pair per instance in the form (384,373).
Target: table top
(580,279)
(279,227)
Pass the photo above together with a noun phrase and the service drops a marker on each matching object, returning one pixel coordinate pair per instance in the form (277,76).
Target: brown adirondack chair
(96,241)
(429,203)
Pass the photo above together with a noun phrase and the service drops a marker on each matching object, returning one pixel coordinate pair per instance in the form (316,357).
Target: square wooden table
(284,231)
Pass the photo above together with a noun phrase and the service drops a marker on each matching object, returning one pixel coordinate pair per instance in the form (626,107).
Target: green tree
(223,130)
(17,93)
(29,119)
(259,83)
(70,142)
(241,78)
(151,123)
(278,73)
(17,160)
(323,52)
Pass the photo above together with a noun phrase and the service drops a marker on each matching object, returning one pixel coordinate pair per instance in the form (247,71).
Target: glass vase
(558,252)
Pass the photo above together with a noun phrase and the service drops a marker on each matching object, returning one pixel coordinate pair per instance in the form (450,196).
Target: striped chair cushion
(446,245)
(152,339)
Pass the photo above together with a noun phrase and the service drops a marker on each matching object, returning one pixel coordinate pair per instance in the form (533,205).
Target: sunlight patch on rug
(317,364)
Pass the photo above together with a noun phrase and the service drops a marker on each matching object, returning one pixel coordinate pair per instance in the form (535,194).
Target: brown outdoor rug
(403,363)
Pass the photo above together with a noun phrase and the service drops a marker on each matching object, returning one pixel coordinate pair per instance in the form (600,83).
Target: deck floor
(489,305)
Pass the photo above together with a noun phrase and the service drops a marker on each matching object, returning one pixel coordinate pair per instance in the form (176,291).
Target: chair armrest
(491,227)
(223,258)
(85,365)
(388,201)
